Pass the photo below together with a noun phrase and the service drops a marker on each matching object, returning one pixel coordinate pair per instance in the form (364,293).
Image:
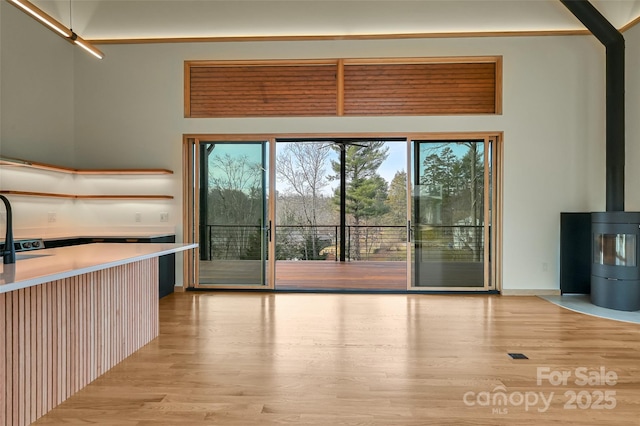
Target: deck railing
(364,242)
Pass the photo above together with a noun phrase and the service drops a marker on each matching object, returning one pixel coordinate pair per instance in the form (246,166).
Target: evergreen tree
(366,190)
(397,199)
(455,191)
(441,178)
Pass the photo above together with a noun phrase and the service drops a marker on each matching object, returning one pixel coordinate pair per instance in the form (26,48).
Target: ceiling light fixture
(86,45)
(56,26)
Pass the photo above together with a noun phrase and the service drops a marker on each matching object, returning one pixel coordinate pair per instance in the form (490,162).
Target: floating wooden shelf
(14,162)
(43,166)
(88,197)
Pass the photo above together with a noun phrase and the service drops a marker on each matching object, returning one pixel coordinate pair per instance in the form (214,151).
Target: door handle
(269,232)
(409,232)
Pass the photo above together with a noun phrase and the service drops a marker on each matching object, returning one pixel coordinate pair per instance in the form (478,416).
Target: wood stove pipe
(613,41)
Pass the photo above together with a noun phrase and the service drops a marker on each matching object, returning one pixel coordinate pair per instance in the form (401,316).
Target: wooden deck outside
(310,275)
(331,275)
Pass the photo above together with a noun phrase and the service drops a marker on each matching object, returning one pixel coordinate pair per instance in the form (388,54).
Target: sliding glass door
(435,227)
(234,228)
(451,213)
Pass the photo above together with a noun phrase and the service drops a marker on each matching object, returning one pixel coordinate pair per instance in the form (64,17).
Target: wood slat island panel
(59,336)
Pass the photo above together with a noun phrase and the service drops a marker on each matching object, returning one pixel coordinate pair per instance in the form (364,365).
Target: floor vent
(518,356)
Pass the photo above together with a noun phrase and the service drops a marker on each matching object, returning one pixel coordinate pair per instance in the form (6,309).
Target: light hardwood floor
(364,359)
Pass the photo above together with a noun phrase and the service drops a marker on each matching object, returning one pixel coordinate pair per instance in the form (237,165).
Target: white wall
(37,123)
(128,112)
(632,167)
(85,217)
(553,123)
(37,73)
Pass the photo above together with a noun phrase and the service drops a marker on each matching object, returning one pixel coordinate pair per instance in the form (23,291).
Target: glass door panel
(341,214)
(449,214)
(233,221)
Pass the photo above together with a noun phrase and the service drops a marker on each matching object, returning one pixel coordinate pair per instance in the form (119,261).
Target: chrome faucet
(9,251)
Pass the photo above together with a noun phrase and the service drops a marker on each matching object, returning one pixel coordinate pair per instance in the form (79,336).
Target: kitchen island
(69,315)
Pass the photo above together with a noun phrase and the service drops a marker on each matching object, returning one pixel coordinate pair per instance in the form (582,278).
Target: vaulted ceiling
(144,19)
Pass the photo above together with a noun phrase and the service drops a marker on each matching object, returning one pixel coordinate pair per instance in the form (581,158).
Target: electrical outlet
(164,217)
(52,217)
(138,217)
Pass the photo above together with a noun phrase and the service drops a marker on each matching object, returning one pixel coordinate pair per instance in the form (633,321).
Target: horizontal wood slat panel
(420,89)
(59,336)
(389,86)
(232,91)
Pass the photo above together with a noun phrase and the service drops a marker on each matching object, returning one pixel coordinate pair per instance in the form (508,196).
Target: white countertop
(64,262)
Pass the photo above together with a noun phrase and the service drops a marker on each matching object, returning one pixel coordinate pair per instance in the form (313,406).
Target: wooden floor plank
(363,359)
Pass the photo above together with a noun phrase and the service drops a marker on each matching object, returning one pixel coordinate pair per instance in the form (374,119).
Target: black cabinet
(575,253)
(167,263)
(66,242)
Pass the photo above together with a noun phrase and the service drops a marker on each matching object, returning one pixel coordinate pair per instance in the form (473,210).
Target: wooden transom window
(344,87)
